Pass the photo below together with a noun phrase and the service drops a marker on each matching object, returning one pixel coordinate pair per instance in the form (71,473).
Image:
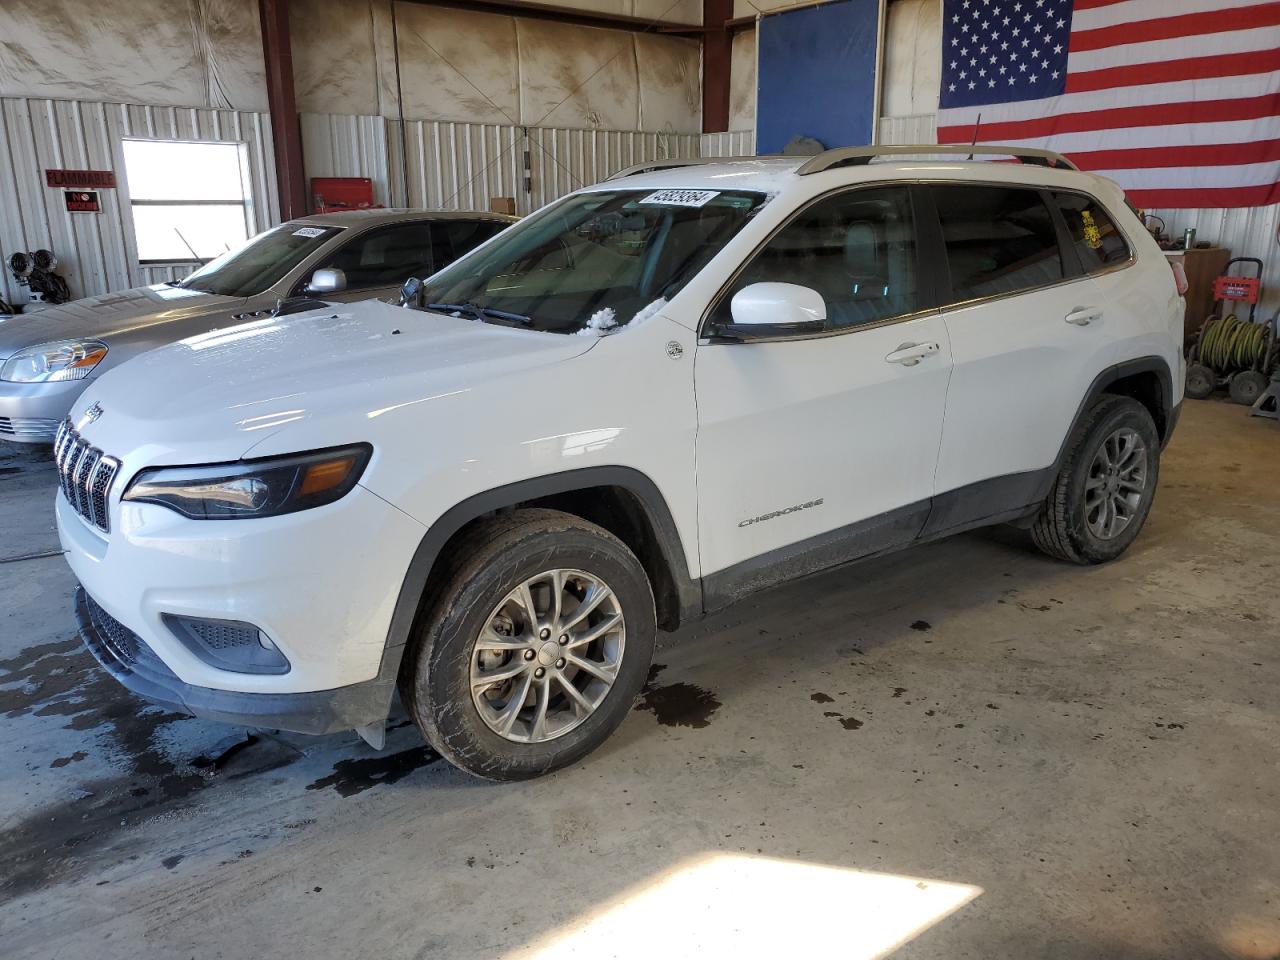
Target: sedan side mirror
(768,310)
(411,293)
(328,280)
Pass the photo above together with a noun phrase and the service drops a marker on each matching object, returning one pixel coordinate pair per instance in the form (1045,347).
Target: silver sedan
(47,358)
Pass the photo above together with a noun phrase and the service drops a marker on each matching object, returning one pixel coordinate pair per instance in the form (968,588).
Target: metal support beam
(286,136)
(717,55)
(562,14)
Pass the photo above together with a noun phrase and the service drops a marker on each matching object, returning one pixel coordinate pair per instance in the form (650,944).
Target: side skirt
(879,534)
(998,500)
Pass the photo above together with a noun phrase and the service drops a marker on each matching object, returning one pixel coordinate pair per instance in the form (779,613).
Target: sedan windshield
(595,262)
(259,263)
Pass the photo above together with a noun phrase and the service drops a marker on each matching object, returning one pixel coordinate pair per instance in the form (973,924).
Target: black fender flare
(639,485)
(1169,405)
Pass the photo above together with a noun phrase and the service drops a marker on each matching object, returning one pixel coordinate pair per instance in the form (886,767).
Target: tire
(482,593)
(1247,386)
(1069,526)
(1201,381)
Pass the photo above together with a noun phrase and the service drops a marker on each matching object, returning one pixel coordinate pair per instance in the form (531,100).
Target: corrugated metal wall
(465,165)
(735,143)
(451,165)
(1246,232)
(97,250)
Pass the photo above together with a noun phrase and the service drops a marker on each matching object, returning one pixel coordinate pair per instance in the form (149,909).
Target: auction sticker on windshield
(309,232)
(681,198)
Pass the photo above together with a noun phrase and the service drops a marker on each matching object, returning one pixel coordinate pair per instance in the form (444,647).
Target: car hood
(216,396)
(106,315)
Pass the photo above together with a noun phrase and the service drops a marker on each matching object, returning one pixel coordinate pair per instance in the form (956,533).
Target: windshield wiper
(173,283)
(488,314)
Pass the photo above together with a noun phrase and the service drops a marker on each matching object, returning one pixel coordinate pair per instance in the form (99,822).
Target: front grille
(85,474)
(28,428)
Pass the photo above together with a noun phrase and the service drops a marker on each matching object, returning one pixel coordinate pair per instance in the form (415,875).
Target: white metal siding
(735,143)
(465,165)
(1246,232)
(97,251)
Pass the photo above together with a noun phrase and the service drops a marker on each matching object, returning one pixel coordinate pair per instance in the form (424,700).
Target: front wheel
(534,648)
(1103,492)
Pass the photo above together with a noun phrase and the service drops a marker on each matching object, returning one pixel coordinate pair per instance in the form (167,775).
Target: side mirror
(411,293)
(328,280)
(767,310)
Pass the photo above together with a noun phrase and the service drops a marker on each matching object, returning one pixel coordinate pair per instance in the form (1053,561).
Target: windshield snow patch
(604,322)
(649,311)
(600,323)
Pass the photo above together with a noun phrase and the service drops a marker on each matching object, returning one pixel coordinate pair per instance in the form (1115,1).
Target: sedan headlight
(253,488)
(54,362)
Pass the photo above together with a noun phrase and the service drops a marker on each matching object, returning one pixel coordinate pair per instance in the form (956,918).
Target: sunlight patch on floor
(750,906)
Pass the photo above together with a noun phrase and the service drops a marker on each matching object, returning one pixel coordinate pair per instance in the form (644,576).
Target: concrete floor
(965,750)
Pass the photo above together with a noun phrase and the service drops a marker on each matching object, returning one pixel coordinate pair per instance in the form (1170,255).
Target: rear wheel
(534,649)
(1103,493)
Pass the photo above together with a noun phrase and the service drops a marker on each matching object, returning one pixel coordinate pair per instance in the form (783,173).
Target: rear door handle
(909,354)
(1083,316)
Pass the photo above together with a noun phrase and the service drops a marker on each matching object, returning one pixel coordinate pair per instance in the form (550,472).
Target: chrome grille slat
(85,475)
(84,478)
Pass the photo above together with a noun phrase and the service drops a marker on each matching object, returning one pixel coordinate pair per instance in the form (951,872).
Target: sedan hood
(103,316)
(218,395)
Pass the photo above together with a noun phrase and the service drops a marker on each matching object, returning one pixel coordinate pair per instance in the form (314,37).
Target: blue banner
(817,75)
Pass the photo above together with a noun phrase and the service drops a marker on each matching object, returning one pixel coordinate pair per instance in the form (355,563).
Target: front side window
(385,257)
(857,249)
(598,259)
(260,263)
(188,199)
(1096,239)
(999,240)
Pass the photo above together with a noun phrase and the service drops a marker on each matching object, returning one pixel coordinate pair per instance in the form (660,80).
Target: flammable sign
(82,201)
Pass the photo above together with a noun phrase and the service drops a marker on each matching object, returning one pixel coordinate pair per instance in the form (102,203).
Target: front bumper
(31,412)
(320,584)
(126,656)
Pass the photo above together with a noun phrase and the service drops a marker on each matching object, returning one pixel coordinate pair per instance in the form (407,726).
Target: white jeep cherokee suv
(654,396)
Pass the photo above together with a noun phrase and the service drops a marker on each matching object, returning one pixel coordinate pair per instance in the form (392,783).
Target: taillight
(1179,277)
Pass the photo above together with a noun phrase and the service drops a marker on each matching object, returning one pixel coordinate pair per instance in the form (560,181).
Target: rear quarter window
(1093,233)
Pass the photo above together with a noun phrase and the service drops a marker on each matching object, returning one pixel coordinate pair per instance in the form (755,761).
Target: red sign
(82,201)
(74,179)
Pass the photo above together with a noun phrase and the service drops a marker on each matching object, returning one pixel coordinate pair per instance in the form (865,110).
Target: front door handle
(1083,316)
(909,354)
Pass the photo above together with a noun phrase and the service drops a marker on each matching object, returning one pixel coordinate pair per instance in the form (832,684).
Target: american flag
(1176,100)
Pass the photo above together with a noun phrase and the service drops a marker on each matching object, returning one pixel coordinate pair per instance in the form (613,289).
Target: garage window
(189,200)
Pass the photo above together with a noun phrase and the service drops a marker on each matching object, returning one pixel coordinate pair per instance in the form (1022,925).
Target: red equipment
(330,194)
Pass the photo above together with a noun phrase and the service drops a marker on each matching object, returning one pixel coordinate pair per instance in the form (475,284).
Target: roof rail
(860,156)
(653,165)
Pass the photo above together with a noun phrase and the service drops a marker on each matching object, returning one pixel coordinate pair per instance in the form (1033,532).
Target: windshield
(594,262)
(260,262)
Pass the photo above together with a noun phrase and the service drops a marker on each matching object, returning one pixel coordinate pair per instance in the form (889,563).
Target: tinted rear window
(999,240)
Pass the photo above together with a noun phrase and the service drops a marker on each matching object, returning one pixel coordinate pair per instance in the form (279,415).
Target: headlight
(253,488)
(52,362)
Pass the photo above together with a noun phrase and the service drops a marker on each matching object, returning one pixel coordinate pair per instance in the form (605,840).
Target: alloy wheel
(547,656)
(1116,484)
